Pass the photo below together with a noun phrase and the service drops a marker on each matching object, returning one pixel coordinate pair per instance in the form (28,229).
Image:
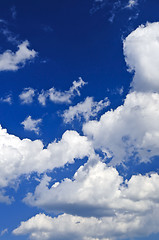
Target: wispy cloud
(86,109)
(61,97)
(13,12)
(4,231)
(7,99)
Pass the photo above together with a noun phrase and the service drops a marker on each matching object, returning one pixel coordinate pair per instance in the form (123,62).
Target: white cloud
(61,97)
(27,96)
(7,99)
(132,3)
(10,61)
(18,157)
(86,109)
(109,206)
(141,49)
(32,124)
(70,227)
(99,191)
(130,131)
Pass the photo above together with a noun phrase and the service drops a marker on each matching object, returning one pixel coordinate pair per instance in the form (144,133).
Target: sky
(79,132)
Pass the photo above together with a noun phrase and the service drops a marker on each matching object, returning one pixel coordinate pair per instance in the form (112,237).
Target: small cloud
(120,90)
(132,3)
(7,99)
(32,124)
(10,61)
(4,231)
(27,95)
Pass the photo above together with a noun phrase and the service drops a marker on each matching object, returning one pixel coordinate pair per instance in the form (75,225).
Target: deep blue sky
(73,38)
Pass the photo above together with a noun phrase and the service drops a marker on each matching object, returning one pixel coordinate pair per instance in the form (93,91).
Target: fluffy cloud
(141,49)
(109,207)
(98,203)
(86,109)
(32,124)
(74,227)
(61,97)
(19,157)
(99,191)
(27,95)
(130,131)
(10,61)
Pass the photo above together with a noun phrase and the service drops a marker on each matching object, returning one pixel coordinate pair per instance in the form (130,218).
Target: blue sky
(79,134)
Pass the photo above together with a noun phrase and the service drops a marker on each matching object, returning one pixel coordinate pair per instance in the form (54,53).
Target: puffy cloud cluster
(98,203)
(99,191)
(18,157)
(130,132)
(10,61)
(86,109)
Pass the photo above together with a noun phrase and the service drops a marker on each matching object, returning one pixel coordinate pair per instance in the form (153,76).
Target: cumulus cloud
(32,124)
(10,61)
(97,190)
(101,205)
(98,203)
(141,49)
(130,131)
(71,227)
(86,109)
(27,95)
(18,157)
(61,97)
